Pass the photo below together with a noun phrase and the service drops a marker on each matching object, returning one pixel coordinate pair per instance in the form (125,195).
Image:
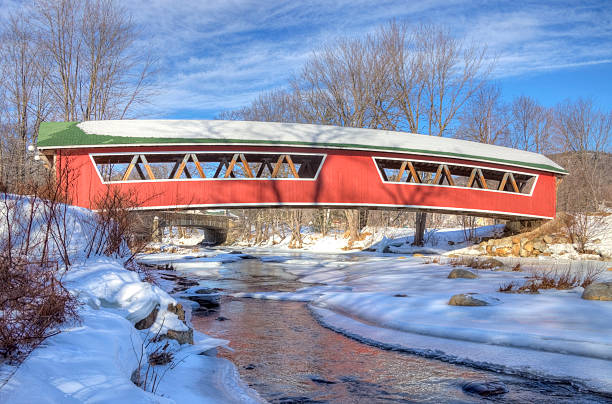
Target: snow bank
(93,361)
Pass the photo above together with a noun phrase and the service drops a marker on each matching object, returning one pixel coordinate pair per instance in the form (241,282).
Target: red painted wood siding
(347,177)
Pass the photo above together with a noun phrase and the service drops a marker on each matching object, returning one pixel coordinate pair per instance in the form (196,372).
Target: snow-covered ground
(93,360)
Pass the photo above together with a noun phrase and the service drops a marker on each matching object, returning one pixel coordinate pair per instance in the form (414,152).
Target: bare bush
(560,279)
(582,229)
(113,229)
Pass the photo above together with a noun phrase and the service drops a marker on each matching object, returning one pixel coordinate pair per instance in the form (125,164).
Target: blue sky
(218,55)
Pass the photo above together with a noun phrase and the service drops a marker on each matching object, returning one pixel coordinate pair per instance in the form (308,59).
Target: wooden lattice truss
(420,172)
(207,165)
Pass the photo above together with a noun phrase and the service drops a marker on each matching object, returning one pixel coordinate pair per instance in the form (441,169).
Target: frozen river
(287,356)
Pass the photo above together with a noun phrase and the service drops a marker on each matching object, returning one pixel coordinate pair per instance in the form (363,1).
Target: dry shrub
(34,244)
(555,279)
(114,230)
(583,229)
(476,262)
(33,303)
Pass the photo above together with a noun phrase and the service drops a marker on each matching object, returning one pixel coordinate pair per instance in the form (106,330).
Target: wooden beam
(231,165)
(292,166)
(222,164)
(413,173)
(129,169)
(178,173)
(438,175)
(278,165)
(483,182)
(401,171)
(245,164)
(502,183)
(147,167)
(139,171)
(198,165)
(448,175)
(513,183)
(472,178)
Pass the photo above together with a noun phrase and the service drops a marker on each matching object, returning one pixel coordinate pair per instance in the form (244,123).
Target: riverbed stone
(466,299)
(598,291)
(485,388)
(461,273)
(148,320)
(182,337)
(178,310)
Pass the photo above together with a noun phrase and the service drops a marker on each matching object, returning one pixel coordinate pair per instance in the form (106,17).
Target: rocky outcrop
(461,273)
(598,291)
(522,245)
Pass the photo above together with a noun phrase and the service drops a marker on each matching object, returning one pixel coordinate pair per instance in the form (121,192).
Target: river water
(283,353)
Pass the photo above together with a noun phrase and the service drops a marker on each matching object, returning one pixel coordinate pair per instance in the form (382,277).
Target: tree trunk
(352,221)
(421,225)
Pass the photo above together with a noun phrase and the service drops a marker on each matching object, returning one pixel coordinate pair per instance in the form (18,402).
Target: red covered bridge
(212,164)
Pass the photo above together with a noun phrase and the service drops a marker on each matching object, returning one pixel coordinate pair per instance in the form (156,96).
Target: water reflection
(284,354)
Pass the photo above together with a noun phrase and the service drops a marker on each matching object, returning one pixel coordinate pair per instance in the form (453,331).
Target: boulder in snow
(471,299)
(461,273)
(182,337)
(598,291)
(148,321)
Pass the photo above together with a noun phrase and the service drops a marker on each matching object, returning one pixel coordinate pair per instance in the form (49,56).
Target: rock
(461,273)
(148,320)
(178,310)
(548,239)
(182,337)
(598,291)
(485,389)
(516,240)
(466,299)
(490,249)
(417,255)
(516,250)
(221,318)
(205,301)
(610,269)
(524,253)
(400,295)
(540,246)
(505,243)
(250,366)
(503,251)
(489,263)
(248,257)
(528,246)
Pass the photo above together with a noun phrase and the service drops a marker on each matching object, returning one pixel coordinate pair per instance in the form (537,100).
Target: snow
(93,360)
(240,132)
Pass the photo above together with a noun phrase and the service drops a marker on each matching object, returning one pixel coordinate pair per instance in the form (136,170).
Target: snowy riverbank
(94,360)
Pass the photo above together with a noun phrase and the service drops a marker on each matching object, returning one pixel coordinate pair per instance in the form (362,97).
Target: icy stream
(283,353)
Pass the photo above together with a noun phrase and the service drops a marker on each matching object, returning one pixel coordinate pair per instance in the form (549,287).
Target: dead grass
(476,262)
(554,279)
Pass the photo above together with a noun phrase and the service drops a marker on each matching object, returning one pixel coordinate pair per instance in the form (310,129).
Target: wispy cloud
(217,55)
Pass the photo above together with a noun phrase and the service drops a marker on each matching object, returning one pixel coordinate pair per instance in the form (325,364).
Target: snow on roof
(56,135)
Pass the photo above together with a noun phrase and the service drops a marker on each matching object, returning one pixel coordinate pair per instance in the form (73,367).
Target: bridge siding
(347,177)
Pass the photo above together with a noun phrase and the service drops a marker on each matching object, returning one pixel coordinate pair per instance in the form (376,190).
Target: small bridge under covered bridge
(152,223)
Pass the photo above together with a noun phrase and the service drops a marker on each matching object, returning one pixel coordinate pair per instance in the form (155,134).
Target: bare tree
(531,125)
(96,71)
(434,75)
(484,118)
(22,87)
(583,134)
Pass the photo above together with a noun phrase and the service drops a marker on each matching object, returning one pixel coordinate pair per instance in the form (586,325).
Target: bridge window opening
(160,166)
(444,174)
